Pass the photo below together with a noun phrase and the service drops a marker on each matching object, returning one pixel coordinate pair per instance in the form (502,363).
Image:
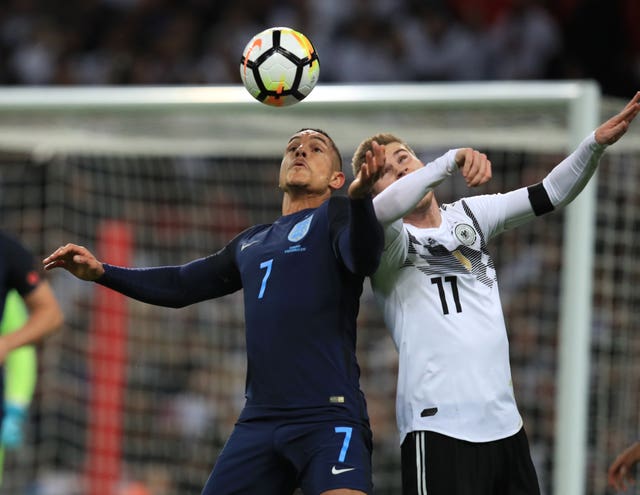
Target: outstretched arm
(171,286)
(566,181)
(403,195)
(569,177)
(620,471)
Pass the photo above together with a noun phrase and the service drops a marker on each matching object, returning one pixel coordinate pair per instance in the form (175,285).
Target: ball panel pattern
(279,66)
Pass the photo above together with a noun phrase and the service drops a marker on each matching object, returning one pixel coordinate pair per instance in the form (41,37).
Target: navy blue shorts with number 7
(272,458)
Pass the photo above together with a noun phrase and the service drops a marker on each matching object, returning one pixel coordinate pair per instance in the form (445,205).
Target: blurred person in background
(524,43)
(19,270)
(29,312)
(437,47)
(20,370)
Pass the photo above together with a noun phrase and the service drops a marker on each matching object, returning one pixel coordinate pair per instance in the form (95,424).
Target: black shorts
(436,464)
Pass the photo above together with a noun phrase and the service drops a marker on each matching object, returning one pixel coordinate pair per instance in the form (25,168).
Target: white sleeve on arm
(558,188)
(570,176)
(403,195)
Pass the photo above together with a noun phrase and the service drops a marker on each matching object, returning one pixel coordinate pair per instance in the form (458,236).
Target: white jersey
(439,294)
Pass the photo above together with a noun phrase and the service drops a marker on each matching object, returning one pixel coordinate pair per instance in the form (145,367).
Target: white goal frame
(235,109)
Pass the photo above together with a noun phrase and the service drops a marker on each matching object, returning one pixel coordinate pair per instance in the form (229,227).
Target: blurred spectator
(441,49)
(524,43)
(366,48)
(34,61)
(224,42)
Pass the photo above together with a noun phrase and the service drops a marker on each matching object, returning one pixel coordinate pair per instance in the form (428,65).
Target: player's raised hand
(614,128)
(621,470)
(474,166)
(369,172)
(77,260)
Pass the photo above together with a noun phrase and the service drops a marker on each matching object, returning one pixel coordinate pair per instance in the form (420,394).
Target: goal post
(189,166)
(575,313)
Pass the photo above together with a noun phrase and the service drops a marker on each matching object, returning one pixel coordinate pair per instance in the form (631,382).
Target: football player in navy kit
(459,424)
(305,422)
(20,277)
(19,270)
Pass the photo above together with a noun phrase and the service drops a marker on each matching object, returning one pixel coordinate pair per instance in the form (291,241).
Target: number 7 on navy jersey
(266,265)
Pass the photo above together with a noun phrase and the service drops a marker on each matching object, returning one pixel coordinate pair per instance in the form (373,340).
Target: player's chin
(296,185)
(298,176)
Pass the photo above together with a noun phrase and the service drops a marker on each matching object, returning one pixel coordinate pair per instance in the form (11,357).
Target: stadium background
(183,370)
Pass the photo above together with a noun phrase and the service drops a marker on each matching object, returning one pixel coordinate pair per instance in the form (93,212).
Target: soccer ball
(279,66)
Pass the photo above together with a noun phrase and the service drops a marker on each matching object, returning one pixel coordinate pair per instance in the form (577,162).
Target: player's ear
(337,180)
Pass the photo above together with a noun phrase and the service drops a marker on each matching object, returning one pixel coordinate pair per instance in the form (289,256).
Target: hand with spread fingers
(614,128)
(77,260)
(369,173)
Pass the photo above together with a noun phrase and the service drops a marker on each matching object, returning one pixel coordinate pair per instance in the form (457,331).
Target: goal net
(132,396)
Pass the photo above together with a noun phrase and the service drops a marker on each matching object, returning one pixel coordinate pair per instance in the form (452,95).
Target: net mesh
(183,369)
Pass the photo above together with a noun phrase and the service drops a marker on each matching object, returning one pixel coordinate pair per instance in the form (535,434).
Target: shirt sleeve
(561,186)
(177,286)
(571,175)
(404,194)
(357,235)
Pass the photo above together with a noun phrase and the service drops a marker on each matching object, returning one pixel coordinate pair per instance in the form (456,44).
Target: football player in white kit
(460,429)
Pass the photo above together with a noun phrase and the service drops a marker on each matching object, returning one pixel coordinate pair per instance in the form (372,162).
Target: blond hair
(384,138)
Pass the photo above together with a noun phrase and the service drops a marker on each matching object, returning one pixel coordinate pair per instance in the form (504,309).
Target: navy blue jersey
(18,268)
(302,278)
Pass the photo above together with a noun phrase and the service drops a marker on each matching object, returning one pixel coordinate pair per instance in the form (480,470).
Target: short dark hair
(331,142)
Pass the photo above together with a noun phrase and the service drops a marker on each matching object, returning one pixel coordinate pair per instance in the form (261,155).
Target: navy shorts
(274,458)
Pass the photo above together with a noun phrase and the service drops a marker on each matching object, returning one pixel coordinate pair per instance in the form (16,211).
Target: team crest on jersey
(300,229)
(465,234)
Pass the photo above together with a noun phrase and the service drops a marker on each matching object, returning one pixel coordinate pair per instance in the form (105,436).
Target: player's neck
(425,216)
(293,202)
